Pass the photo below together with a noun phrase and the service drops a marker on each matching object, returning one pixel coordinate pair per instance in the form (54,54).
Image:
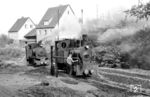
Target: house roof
(18,24)
(32,33)
(52,16)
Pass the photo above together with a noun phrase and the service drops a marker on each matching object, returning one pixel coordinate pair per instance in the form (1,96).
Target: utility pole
(58,24)
(97,12)
(82,15)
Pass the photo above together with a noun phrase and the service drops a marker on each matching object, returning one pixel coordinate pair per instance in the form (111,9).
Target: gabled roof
(32,33)
(52,16)
(18,24)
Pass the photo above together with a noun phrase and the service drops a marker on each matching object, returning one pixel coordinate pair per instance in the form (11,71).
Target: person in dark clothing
(29,55)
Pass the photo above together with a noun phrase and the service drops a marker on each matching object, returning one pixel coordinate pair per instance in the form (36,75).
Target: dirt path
(17,81)
(30,83)
(22,81)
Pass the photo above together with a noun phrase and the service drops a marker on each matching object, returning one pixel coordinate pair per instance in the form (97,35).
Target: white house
(58,23)
(20,28)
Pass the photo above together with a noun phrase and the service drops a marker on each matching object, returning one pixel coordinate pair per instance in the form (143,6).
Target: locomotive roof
(68,39)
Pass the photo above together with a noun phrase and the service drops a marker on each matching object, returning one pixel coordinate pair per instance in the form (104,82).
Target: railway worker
(30,52)
(70,63)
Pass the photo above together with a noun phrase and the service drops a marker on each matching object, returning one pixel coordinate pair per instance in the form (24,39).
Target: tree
(141,11)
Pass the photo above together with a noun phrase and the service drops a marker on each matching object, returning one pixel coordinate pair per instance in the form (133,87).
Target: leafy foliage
(140,11)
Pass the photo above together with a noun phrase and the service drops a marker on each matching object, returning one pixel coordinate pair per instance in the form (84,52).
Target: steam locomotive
(36,55)
(81,51)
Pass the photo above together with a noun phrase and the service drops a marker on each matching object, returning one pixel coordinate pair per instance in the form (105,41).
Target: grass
(6,68)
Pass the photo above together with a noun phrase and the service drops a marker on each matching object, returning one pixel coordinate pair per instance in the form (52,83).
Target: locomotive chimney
(84,37)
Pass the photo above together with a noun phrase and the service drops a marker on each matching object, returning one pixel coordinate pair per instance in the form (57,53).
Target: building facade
(20,28)
(58,23)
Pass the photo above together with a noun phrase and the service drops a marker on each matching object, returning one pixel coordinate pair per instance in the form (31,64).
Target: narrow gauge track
(106,85)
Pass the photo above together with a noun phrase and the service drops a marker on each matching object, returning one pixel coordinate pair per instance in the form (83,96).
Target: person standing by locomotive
(29,54)
(70,63)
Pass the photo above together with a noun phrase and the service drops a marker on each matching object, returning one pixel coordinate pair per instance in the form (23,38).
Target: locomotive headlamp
(91,71)
(45,62)
(86,47)
(86,72)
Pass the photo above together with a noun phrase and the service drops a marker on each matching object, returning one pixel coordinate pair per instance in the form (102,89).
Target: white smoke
(127,47)
(112,34)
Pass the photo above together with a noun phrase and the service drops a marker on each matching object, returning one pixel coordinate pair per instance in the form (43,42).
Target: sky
(11,10)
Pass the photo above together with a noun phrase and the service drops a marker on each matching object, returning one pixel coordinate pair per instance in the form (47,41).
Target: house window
(26,26)
(45,32)
(46,22)
(31,26)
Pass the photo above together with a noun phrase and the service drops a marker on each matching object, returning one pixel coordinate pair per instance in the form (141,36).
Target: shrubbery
(138,50)
(10,53)
(140,56)
(131,37)
(4,40)
(8,50)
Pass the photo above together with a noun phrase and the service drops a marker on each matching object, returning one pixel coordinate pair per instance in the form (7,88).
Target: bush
(4,40)
(10,53)
(128,35)
(139,54)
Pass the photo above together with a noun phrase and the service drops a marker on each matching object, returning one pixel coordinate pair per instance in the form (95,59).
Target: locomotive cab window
(71,45)
(63,45)
(78,43)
